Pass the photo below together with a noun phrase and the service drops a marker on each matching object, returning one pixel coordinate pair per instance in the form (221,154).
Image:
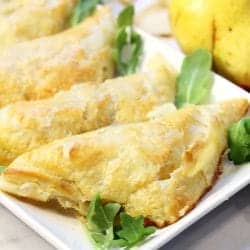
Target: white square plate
(66,232)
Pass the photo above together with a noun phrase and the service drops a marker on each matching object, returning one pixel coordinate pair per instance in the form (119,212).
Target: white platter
(65,232)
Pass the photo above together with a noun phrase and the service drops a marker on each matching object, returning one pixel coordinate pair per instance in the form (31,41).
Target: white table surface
(226,228)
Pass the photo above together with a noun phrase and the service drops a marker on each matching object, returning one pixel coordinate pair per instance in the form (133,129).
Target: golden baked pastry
(28,124)
(22,20)
(158,169)
(38,69)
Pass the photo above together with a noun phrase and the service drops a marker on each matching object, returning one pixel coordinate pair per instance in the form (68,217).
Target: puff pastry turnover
(158,168)
(38,69)
(29,124)
(22,20)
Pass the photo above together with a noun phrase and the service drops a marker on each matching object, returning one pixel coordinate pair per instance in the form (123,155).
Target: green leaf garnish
(100,221)
(128,43)
(126,17)
(133,230)
(2,169)
(239,141)
(101,226)
(195,80)
(83,9)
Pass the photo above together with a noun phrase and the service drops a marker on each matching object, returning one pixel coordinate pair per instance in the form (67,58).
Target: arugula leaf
(83,9)
(100,224)
(133,230)
(100,221)
(239,141)
(195,80)
(128,43)
(2,169)
(126,17)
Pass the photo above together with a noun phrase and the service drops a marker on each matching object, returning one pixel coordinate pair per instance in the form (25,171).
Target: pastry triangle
(29,124)
(38,69)
(158,168)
